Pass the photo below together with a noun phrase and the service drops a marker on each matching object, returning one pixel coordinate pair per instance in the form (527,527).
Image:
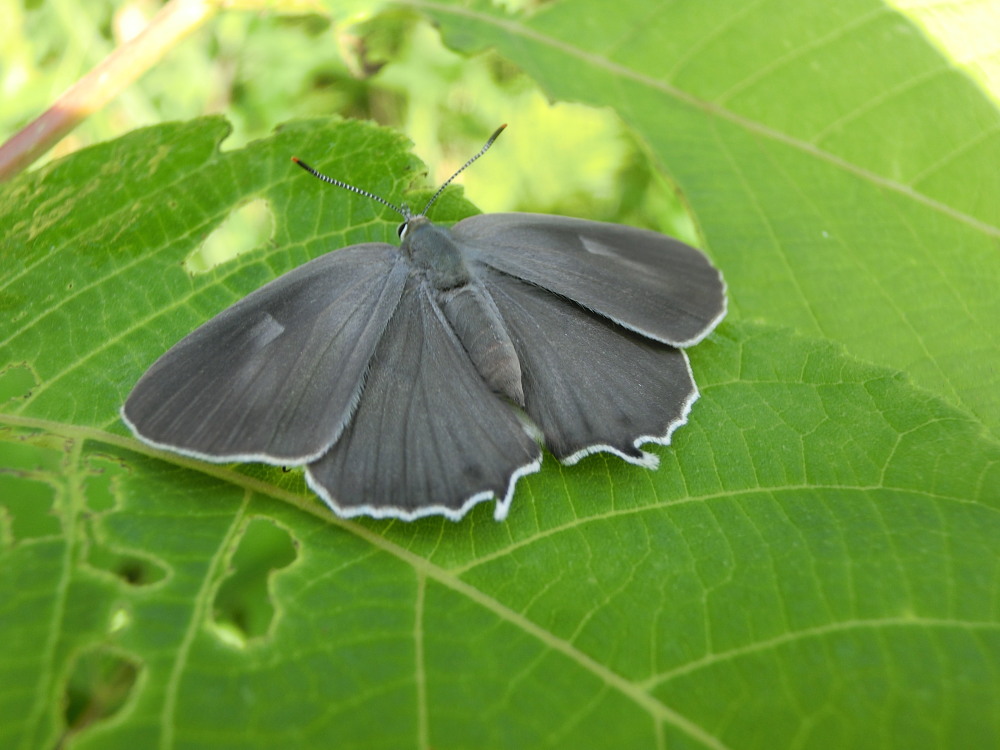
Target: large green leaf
(839,167)
(814,564)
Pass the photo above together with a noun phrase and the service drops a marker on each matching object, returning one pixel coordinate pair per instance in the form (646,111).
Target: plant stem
(176,19)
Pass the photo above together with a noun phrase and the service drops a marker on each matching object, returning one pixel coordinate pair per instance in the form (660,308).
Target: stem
(176,19)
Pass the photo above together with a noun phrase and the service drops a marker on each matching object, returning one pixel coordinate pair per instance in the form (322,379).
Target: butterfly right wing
(277,376)
(645,281)
(596,313)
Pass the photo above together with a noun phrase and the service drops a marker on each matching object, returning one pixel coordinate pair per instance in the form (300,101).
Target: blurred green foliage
(261,68)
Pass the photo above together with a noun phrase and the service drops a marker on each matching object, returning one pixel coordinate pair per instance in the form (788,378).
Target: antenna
(483,150)
(405,210)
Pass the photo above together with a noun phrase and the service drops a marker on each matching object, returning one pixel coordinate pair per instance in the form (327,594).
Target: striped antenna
(405,210)
(483,150)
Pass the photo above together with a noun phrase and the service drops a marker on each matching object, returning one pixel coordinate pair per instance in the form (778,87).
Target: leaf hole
(27,507)
(102,482)
(243,609)
(31,481)
(98,687)
(133,570)
(245,228)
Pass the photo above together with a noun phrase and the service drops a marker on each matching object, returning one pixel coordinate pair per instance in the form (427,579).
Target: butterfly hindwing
(275,377)
(428,436)
(589,383)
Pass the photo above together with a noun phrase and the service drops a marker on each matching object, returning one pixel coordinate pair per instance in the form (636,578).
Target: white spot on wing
(264,331)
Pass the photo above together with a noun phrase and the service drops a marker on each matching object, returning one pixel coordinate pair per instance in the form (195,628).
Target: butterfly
(417,380)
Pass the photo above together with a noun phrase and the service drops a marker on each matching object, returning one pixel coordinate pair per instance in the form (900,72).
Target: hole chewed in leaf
(99,685)
(103,473)
(243,609)
(132,569)
(103,495)
(27,508)
(247,227)
(31,480)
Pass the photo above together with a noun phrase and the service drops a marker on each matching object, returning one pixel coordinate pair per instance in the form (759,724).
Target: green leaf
(842,171)
(814,564)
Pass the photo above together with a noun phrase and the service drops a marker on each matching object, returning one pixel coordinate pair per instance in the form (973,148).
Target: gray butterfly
(411,380)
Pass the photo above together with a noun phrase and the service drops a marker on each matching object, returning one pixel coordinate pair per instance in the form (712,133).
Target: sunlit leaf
(813,565)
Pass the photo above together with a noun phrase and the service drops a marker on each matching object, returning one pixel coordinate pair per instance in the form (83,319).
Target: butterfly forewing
(275,377)
(643,280)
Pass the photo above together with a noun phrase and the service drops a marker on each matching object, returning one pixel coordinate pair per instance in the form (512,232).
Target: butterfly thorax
(432,249)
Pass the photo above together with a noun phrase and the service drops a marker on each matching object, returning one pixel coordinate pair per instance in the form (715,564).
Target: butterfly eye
(401,230)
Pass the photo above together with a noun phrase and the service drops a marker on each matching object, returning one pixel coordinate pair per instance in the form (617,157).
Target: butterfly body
(439,259)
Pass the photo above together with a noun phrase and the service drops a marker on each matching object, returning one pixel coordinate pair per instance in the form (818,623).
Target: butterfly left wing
(645,281)
(428,436)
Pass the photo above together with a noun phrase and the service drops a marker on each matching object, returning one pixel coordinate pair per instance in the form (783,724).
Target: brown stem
(175,20)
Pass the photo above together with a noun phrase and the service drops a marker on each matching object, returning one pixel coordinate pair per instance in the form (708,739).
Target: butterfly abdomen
(474,318)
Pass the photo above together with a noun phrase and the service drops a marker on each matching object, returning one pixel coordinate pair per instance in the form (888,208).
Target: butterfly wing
(428,436)
(590,384)
(643,280)
(275,377)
